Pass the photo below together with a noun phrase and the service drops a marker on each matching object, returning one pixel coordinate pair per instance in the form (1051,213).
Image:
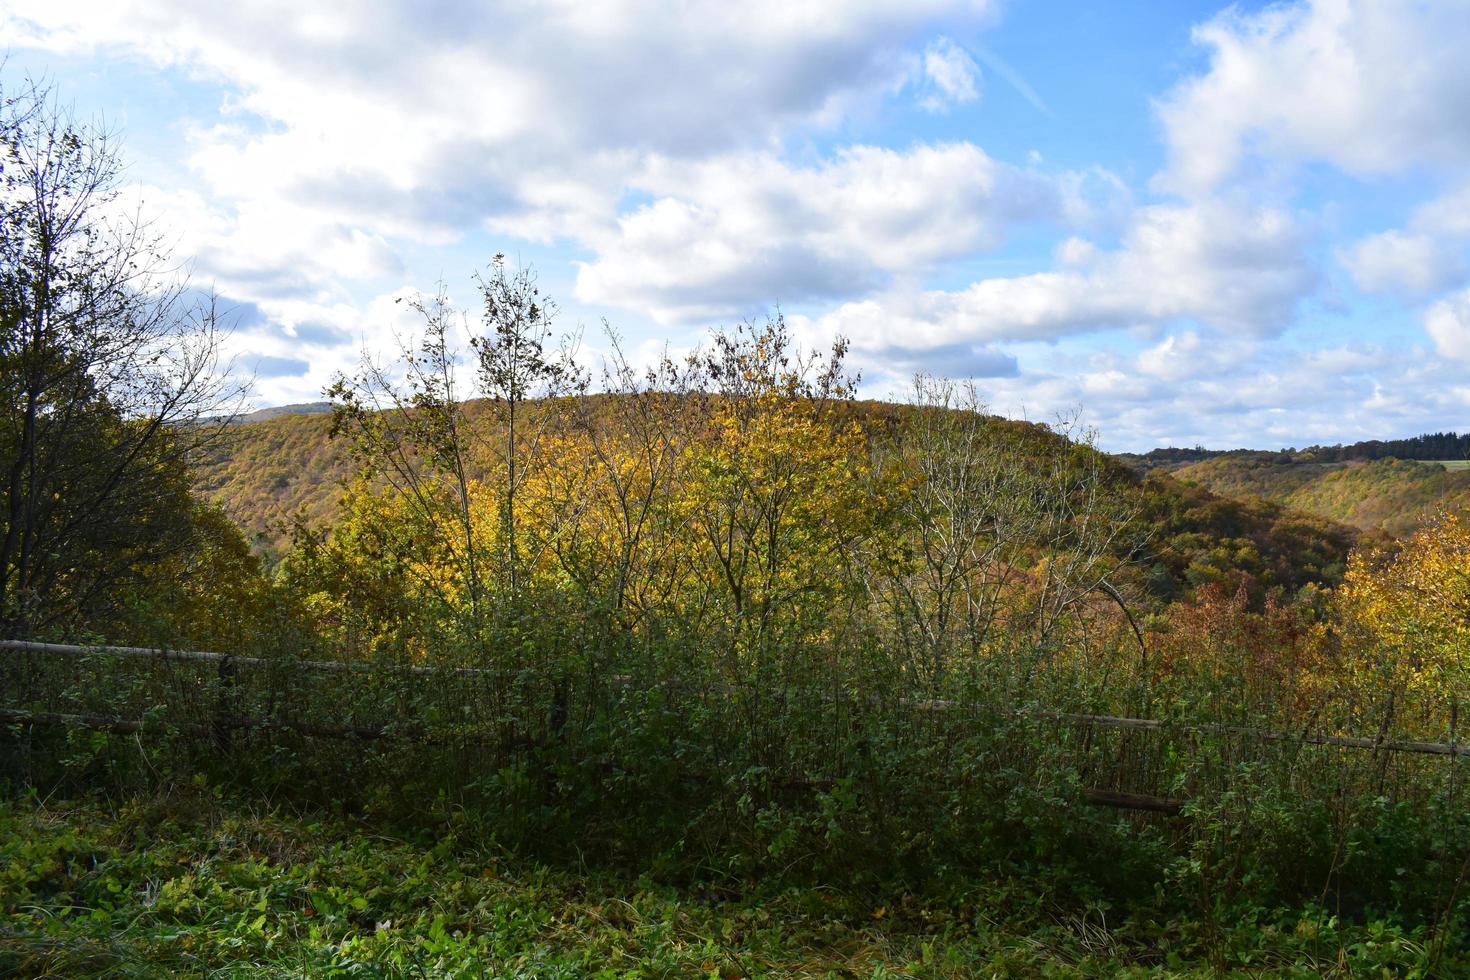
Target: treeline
(1430,446)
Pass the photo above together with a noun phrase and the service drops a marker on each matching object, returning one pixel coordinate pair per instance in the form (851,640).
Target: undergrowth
(193,884)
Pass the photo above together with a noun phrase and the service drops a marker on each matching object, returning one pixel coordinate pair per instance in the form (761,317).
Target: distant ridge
(1431,446)
(265,414)
(282,470)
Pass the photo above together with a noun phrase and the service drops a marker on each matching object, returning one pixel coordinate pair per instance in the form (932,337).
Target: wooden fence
(225,718)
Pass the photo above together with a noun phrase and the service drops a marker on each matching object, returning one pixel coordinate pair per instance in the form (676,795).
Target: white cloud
(1174,357)
(1371,86)
(1448,323)
(1238,270)
(1410,261)
(736,232)
(953,77)
(1262,394)
(317,340)
(410,123)
(1447,216)
(262,249)
(1076,251)
(1427,256)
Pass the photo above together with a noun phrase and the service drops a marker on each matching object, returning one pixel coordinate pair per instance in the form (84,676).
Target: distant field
(1452,464)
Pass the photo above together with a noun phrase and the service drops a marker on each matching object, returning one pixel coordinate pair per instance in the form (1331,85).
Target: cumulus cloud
(1238,270)
(1176,357)
(1265,394)
(723,235)
(1370,86)
(1412,262)
(1448,323)
(1428,255)
(262,248)
(295,347)
(429,123)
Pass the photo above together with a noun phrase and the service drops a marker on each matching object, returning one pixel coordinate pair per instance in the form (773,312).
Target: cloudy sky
(1237,226)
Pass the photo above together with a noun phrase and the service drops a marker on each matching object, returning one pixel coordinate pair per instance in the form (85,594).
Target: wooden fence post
(224,704)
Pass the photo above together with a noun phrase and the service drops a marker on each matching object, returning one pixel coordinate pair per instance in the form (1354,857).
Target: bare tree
(1014,528)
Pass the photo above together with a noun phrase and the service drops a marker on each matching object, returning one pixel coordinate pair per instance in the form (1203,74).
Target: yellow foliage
(1413,608)
(773,497)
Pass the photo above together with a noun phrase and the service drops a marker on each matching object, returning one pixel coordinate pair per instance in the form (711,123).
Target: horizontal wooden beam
(126,726)
(1453,749)
(205,656)
(1133,801)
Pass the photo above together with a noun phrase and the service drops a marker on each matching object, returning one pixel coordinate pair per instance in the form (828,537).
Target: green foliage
(107,374)
(1392,496)
(189,886)
(1202,538)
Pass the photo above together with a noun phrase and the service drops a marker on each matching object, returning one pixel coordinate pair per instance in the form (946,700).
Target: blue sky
(1196,224)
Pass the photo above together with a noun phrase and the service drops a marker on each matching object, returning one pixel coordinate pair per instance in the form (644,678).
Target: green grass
(203,888)
(1452,464)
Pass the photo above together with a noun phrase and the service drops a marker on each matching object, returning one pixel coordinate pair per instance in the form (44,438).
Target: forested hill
(267,472)
(1431,446)
(1392,495)
(270,472)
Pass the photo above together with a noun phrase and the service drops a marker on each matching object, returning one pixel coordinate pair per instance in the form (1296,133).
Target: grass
(200,887)
(1453,464)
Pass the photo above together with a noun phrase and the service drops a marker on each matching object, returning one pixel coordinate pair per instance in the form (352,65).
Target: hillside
(270,472)
(278,411)
(1391,495)
(266,472)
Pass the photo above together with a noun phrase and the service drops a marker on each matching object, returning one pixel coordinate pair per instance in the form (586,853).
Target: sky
(1193,224)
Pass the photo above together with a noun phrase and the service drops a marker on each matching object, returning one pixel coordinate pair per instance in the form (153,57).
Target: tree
(516,367)
(110,377)
(1410,612)
(418,437)
(1013,534)
(974,514)
(777,488)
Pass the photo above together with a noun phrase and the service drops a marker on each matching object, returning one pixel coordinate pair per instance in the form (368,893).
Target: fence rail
(209,657)
(227,714)
(1380,743)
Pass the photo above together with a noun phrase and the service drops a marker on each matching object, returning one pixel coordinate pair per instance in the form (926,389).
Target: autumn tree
(777,486)
(626,460)
(518,364)
(1409,614)
(110,375)
(447,446)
